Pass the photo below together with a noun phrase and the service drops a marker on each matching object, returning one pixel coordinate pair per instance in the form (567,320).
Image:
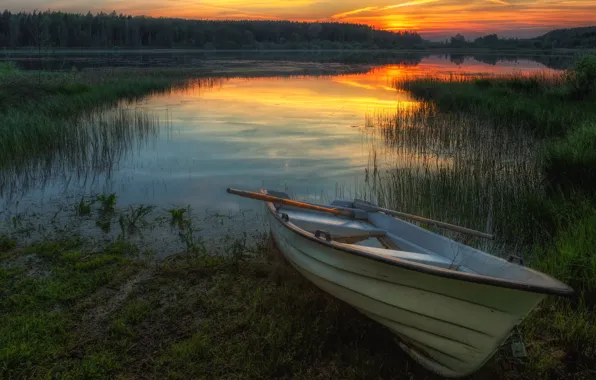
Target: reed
(571,161)
(432,164)
(88,145)
(543,104)
(514,154)
(60,106)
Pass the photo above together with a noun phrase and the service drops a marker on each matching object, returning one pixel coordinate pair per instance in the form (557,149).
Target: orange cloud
(447,17)
(355,11)
(378,9)
(409,3)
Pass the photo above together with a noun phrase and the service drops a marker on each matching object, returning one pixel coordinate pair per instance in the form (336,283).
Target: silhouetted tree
(102,30)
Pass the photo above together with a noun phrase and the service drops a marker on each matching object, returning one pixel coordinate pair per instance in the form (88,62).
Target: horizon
(432,19)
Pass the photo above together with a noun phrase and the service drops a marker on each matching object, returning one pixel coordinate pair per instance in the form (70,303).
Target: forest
(52,30)
(574,38)
(70,30)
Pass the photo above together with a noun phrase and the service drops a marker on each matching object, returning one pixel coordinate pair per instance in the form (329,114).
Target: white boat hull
(451,327)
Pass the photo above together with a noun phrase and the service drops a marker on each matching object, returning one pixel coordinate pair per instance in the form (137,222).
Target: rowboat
(450,305)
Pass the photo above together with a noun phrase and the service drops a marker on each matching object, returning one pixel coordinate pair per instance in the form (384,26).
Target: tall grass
(7,68)
(515,154)
(84,147)
(571,257)
(459,168)
(75,120)
(571,160)
(546,105)
(478,152)
(39,112)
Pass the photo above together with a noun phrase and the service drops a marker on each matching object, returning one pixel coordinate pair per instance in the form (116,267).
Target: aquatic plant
(189,235)
(177,217)
(83,208)
(427,162)
(107,203)
(7,243)
(134,221)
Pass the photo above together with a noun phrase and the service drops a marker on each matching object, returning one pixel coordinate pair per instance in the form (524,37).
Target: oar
(289,202)
(370,207)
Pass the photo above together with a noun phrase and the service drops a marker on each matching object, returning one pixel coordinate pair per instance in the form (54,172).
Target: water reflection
(179,58)
(95,144)
(312,135)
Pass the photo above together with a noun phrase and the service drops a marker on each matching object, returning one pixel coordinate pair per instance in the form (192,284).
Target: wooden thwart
(388,243)
(355,238)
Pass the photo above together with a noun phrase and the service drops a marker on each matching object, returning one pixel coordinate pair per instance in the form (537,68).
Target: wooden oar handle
(370,207)
(288,202)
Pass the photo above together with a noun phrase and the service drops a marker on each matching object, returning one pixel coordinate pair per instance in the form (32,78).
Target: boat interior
(377,233)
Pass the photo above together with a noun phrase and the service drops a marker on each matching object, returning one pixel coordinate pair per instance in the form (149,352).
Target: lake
(314,136)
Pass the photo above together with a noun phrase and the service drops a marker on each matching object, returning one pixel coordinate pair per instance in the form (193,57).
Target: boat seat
(336,227)
(352,238)
(421,258)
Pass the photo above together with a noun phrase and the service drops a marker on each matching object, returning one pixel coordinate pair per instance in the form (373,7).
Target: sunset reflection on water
(310,134)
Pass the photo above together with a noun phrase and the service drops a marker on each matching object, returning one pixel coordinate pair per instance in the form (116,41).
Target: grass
(96,140)
(518,101)
(514,154)
(441,171)
(56,102)
(40,293)
(72,310)
(7,69)
(526,106)
(533,176)
(571,160)
(571,257)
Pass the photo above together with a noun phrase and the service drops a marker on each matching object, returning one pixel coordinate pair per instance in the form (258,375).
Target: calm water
(67,59)
(305,134)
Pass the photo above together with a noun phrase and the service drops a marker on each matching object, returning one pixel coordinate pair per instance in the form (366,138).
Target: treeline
(492,41)
(71,30)
(575,38)
(570,38)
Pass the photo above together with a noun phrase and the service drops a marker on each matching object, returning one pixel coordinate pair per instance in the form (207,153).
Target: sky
(433,19)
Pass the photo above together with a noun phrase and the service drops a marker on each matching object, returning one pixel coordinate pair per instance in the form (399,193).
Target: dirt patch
(97,309)
(31,262)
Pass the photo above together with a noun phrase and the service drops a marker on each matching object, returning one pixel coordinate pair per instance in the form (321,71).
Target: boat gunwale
(427,269)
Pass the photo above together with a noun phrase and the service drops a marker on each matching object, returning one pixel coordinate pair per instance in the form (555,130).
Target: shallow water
(306,134)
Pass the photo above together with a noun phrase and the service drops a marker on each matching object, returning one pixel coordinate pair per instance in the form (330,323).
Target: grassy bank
(108,313)
(40,112)
(548,105)
(72,308)
(553,114)
(514,154)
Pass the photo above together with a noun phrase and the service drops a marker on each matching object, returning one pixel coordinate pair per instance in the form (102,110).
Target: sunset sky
(434,19)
